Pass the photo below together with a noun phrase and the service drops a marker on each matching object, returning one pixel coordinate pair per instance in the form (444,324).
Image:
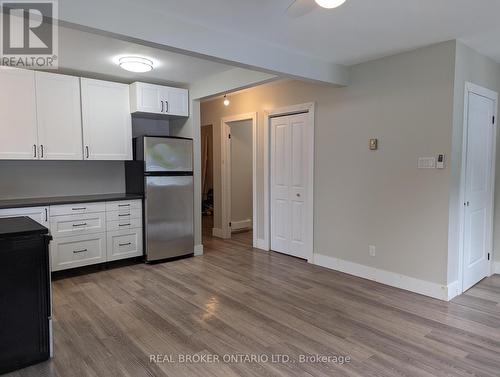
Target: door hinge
(229,136)
(493,120)
(489,256)
(230,224)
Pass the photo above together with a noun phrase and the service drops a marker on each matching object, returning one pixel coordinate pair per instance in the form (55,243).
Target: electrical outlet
(372,250)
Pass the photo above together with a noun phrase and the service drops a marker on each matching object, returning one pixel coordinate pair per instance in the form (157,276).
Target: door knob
(298,195)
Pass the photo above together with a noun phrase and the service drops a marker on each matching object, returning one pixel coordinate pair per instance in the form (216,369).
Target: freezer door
(168,154)
(169,217)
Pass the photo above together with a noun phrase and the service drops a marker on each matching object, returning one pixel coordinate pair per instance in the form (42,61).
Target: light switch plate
(427,163)
(373,144)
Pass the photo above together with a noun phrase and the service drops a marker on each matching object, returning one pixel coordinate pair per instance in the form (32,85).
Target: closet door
(18,126)
(59,116)
(289,185)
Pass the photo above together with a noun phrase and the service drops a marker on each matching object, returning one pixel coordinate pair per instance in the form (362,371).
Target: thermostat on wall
(440,161)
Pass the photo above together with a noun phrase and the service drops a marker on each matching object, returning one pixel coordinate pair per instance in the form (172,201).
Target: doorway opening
(207,178)
(238,173)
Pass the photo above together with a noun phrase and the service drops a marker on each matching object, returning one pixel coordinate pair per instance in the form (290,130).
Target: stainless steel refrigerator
(163,172)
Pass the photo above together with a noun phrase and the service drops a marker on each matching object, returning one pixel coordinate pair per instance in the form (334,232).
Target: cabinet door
(122,244)
(107,124)
(146,98)
(78,251)
(176,101)
(59,116)
(18,127)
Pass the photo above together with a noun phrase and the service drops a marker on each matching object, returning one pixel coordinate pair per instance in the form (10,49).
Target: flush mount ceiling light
(226,100)
(135,64)
(330,4)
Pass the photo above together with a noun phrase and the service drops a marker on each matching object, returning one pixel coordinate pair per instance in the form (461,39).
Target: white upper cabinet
(158,100)
(18,126)
(59,117)
(107,124)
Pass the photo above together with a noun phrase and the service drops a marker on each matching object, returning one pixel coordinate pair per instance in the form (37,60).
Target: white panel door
(289,172)
(59,116)
(18,126)
(478,195)
(107,123)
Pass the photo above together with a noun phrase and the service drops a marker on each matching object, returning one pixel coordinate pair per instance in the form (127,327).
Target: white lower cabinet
(39,214)
(77,251)
(91,233)
(125,243)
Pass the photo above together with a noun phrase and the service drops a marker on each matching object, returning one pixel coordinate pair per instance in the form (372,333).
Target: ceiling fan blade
(300,8)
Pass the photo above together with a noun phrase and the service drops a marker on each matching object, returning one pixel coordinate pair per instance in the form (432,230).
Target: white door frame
(226,172)
(308,108)
(476,89)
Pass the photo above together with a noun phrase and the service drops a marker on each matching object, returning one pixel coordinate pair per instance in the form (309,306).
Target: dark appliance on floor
(25,296)
(163,173)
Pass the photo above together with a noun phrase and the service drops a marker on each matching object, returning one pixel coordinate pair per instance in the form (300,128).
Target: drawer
(71,209)
(124,244)
(123,224)
(39,214)
(71,225)
(124,205)
(124,215)
(78,251)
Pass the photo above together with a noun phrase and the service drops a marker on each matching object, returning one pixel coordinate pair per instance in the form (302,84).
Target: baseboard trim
(243,224)
(426,288)
(261,244)
(496,268)
(217,232)
(198,250)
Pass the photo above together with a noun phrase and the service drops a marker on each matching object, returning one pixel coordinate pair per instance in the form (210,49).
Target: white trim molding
(262,244)
(217,232)
(426,288)
(242,224)
(198,250)
(496,268)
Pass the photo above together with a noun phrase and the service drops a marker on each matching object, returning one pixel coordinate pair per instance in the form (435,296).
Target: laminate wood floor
(236,300)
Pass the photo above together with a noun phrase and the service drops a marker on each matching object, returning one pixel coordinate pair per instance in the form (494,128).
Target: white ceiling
(358,31)
(84,52)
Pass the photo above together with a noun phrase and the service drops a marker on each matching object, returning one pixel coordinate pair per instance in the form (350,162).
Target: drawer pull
(77,225)
(125,244)
(79,251)
(79,209)
(123,205)
(124,225)
(125,214)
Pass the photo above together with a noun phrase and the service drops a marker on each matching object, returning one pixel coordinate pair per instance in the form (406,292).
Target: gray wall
(25,179)
(472,67)
(146,126)
(406,101)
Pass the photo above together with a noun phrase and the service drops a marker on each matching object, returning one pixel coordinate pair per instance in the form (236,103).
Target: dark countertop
(20,226)
(42,202)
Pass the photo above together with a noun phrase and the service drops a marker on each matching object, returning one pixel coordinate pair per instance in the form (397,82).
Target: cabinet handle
(79,251)
(123,224)
(77,225)
(125,244)
(123,205)
(126,214)
(168,106)
(79,209)
(87,151)
(46,215)
(41,150)
(34,150)
(161,106)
